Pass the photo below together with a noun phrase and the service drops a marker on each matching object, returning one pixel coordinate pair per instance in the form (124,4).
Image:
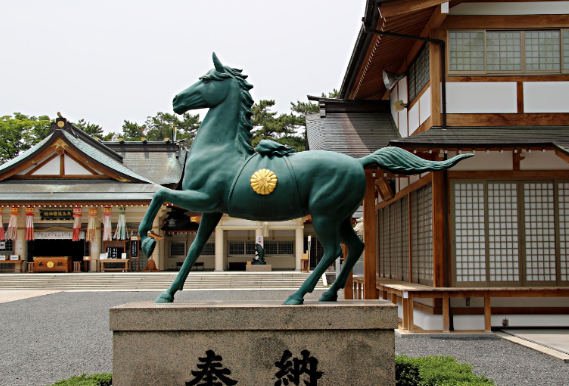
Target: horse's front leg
(190,199)
(207,224)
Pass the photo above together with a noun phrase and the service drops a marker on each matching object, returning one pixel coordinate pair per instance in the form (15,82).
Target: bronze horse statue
(225,174)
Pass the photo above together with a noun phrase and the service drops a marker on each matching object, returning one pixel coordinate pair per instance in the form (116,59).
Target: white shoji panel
(564,229)
(540,231)
(503,247)
(470,238)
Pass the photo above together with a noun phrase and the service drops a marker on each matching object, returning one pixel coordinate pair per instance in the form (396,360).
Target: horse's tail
(399,161)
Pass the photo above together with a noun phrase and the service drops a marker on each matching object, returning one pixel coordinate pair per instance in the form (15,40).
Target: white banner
(57,235)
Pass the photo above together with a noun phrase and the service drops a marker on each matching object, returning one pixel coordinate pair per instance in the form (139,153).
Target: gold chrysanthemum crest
(264,181)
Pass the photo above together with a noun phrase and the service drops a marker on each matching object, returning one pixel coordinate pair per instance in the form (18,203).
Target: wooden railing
(398,291)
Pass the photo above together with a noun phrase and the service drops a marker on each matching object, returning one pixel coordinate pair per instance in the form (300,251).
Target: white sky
(107,61)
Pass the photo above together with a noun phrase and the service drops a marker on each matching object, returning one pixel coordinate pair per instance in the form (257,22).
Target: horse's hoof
(148,245)
(164,297)
(294,301)
(328,297)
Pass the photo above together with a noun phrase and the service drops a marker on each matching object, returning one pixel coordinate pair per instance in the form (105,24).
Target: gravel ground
(53,337)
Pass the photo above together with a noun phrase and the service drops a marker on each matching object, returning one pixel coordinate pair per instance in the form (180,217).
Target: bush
(83,380)
(436,371)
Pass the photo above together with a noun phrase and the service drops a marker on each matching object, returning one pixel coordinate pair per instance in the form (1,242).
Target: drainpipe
(446,230)
(442,44)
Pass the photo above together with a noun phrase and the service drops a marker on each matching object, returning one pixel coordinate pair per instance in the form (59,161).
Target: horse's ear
(218,66)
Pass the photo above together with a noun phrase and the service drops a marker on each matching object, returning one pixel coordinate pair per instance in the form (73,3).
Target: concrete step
(151,280)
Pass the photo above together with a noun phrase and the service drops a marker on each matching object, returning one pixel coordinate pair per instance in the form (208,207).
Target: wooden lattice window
(539,231)
(470,236)
(419,73)
(563,210)
(503,246)
(422,235)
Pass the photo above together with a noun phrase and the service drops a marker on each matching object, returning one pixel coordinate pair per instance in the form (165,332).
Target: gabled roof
(159,161)
(506,137)
(373,54)
(350,127)
(65,138)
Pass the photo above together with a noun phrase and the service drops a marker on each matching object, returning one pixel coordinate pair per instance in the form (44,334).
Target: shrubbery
(84,380)
(425,371)
(436,371)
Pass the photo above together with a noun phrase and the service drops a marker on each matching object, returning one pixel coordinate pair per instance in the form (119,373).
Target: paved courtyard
(50,337)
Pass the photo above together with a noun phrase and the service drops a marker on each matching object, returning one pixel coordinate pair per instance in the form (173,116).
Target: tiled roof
(103,158)
(75,190)
(351,133)
(25,154)
(480,137)
(164,168)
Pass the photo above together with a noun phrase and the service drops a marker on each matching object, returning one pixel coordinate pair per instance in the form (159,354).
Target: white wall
(482,97)
(484,161)
(537,160)
(413,118)
(425,106)
(546,97)
(512,8)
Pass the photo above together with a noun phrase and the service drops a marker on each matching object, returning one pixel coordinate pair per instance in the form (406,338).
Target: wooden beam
(506,21)
(512,78)
(403,7)
(538,119)
(384,189)
(405,191)
(446,313)
(438,229)
(424,126)
(41,164)
(520,96)
(370,291)
(435,21)
(509,174)
(562,155)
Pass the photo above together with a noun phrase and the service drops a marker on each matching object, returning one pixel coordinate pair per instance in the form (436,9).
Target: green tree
(92,129)
(20,132)
(161,126)
(280,128)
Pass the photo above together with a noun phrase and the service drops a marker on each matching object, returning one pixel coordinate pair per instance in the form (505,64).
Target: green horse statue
(225,174)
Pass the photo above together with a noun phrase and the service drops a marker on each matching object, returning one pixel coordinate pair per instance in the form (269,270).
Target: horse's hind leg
(328,232)
(207,224)
(349,237)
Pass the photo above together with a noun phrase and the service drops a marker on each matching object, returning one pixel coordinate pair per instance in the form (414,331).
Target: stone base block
(254,343)
(259,268)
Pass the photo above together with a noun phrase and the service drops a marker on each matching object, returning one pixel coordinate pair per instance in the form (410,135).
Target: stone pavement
(13,295)
(553,342)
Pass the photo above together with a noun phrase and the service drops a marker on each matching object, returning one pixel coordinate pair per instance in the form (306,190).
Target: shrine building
(74,198)
(484,244)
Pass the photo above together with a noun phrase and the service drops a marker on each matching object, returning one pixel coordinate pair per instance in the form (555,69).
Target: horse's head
(210,91)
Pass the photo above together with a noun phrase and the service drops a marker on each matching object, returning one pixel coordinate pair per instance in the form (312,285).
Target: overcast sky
(107,61)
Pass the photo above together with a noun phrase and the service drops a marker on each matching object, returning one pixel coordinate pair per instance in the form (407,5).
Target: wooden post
(435,80)
(405,303)
(410,325)
(438,230)
(446,316)
(349,287)
(370,291)
(487,313)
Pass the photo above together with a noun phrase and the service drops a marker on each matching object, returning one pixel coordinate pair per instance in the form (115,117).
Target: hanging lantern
(13,224)
(120,233)
(2,236)
(30,223)
(91,225)
(77,214)
(107,232)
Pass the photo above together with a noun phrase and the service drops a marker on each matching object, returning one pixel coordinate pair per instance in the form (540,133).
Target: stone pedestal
(254,343)
(259,268)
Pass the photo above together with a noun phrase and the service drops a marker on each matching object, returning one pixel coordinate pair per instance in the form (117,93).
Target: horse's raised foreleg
(349,237)
(189,199)
(207,224)
(328,232)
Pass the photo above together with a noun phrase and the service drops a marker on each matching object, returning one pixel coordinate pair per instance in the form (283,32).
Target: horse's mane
(244,124)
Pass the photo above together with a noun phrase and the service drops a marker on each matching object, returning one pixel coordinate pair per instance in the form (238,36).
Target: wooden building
(483,244)
(56,198)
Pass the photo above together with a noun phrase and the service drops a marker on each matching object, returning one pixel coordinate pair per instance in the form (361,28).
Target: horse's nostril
(175,98)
